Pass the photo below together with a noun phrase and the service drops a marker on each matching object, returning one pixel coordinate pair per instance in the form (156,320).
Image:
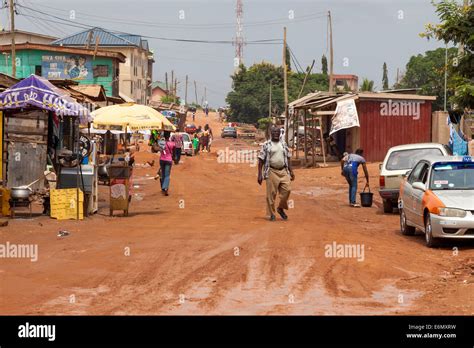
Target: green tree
(170,99)
(324,65)
(385,77)
(367,85)
(249,98)
(457,27)
(426,72)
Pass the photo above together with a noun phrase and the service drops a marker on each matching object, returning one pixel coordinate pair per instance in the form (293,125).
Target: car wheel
(387,206)
(404,228)
(431,242)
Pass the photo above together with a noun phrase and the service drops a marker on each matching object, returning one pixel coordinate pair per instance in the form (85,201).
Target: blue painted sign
(66,66)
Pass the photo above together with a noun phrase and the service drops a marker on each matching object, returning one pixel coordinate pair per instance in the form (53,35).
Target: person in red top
(177,138)
(166,161)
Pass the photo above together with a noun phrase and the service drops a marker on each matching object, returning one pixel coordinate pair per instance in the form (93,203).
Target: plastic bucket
(366,198)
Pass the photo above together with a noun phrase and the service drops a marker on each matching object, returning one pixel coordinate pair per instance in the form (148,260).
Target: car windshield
(228,128)
(185,137)
(453,176)
(406,159)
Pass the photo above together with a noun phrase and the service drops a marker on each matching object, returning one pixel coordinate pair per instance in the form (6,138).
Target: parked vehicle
(190,128)
(187,144)
(229,132)
(397,162)
(438,198)
(168,113)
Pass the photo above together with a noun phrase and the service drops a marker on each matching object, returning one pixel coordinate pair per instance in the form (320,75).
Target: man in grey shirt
(275,167)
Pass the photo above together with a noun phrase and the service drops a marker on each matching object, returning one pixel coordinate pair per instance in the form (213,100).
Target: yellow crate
(63,204)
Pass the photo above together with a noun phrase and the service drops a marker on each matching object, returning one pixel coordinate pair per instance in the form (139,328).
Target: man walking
(349,169)
(274,159)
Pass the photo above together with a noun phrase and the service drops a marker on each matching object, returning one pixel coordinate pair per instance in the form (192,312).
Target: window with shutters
(101,71)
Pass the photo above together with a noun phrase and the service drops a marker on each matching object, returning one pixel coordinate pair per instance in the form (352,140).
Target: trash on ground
(63,233)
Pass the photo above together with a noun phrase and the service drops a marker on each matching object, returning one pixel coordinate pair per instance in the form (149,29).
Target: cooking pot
(102,170)
(20,192)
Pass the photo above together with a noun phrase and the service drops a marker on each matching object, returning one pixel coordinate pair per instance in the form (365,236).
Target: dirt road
(208,249)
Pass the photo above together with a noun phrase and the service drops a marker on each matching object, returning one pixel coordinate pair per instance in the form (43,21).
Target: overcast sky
(366,33)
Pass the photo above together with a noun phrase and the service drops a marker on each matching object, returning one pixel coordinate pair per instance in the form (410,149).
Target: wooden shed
(386,120)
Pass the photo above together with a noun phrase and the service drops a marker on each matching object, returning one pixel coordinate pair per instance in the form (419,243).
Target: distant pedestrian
(349,169)
(177,138)
(206,110)
(204,139)
(194,115)
(274,159)
(210,137)
(166,161)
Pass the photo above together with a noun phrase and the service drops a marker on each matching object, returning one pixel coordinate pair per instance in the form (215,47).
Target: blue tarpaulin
(456,142)
(36,91)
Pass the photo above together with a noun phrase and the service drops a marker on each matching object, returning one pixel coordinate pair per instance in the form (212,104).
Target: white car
(398,161)
(187,144)
(438,198)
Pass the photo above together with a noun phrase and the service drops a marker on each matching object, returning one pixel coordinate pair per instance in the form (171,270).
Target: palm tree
(367,85)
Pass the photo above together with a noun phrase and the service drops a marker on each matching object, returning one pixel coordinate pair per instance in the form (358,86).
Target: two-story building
(86,66)
(22,36)
(135,74)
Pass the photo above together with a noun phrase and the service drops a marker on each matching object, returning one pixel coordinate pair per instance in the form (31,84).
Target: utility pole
(175,88)
(205,94)
(285,84)
(186,92)
(239,39)
(270,101)
(166,82)
(196,92)
(331,54)
(12,29)
(305,78)
(172,82)
(445,77)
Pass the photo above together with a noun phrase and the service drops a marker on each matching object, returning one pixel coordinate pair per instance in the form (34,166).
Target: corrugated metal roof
(134,39)
(382,95)
(126,98)
(94,91)
(106,38)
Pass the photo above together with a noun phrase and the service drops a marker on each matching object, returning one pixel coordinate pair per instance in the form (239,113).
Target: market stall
(126,117)
(40,135)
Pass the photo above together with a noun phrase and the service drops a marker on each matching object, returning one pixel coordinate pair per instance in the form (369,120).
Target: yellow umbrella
(131,115)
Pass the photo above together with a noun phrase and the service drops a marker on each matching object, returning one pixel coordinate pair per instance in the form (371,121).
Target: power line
(297,63)
(36,22)
(306,17)
(86,26)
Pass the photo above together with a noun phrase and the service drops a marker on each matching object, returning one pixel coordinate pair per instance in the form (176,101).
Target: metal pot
(102,170)
(20,192)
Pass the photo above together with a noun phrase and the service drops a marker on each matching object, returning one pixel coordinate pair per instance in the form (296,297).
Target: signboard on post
(345,116)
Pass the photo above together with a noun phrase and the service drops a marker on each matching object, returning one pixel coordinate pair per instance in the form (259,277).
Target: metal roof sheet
(106,38)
